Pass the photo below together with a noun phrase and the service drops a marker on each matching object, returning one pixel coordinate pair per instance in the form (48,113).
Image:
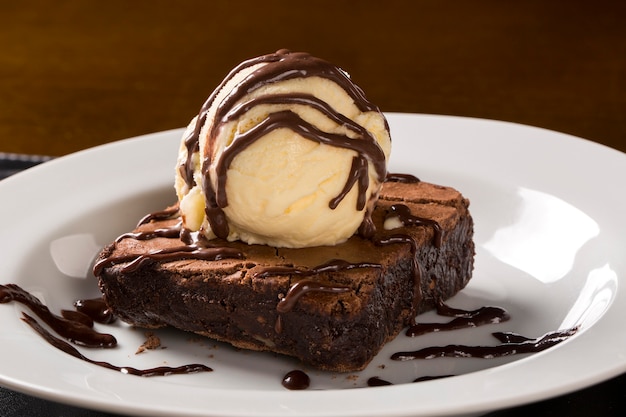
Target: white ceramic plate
(550,230)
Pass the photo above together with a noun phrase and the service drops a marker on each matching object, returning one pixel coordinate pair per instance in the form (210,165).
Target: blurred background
(74,74)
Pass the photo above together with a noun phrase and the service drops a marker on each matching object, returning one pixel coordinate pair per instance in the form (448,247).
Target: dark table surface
(75,74)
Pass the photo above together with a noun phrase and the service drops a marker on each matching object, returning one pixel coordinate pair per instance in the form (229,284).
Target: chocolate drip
(70,350)
(463,319)
(77,316)
(403,213)
(430,378)
(75,331)
(302,100)
(96,309)
(407,219)
(192,145)
(286,65)
(302,288)
(358,175)
(298,290)
(168,232)
(377,382)
(168,255)
(405,178)
(159,215)
(365,149)
(282,65)
(296,380)
(415,266)
(334,265)
(511,344)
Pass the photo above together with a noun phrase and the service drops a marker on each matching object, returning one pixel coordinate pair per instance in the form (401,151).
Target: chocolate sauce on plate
(376,381)
(512,344)
(75,331)
(96,309)
(296,380)
(462,319)
(71,350)
(75,327)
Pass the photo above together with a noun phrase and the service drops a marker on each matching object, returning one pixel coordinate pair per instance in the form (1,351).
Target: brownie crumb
(152,342)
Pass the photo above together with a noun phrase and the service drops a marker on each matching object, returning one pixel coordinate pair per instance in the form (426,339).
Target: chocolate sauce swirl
(511,344)
(403,213)
(75,331)
(367,150)
(404,178)
(75,326)
(303,287)
(285,65)
(462,319)
(96,309)
(280,66)
(167,255)
(376,381)
(416,268)
(71,350)
(159,215)
(167,232)
(334,265)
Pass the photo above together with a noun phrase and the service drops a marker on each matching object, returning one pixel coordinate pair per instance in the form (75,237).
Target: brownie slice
(331,307)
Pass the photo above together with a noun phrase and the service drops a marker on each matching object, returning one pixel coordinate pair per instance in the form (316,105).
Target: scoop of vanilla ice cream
(286,152)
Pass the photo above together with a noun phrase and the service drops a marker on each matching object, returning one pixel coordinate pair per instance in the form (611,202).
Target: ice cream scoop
(287,151)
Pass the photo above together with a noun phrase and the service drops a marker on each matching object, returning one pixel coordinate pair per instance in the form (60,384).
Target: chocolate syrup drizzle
(205,251)
(167,232)
(191,251)
(404,178)
(71,350)
(305,286)
(511,344)
(462,319)
(280,66)
(96,309)
(416,268)
(75,331)
(376,381)
(76,327)
(159,215)
(403,213)
(334,265)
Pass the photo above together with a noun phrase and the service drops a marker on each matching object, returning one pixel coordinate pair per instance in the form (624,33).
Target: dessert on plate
(289,235)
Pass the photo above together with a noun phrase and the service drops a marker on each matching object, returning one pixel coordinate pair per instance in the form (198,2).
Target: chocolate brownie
(332,307)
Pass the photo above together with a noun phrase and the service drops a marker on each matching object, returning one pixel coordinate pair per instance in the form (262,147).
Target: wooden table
(75,74)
